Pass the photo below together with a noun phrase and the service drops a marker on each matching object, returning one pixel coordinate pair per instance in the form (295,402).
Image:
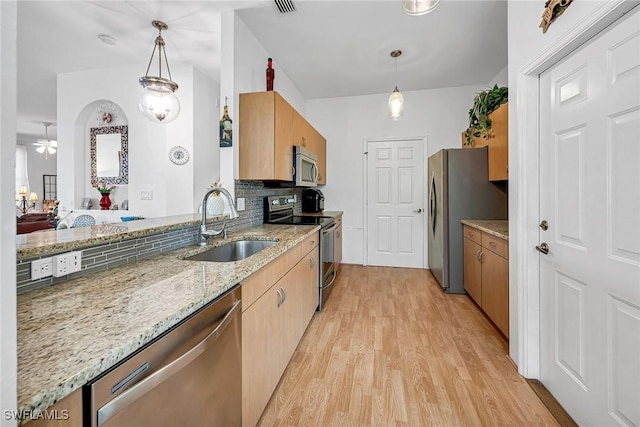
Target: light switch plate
(240,204)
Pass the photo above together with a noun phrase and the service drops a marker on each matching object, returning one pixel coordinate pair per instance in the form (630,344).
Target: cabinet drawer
(496,245)
(309,243)
(472,234)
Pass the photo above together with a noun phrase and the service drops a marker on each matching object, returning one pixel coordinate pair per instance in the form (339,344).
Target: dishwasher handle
(130,396)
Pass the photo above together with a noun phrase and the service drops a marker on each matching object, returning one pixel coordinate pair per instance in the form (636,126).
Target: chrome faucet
(204,234)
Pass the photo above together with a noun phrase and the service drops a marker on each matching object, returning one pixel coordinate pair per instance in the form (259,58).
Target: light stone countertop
(71,332)
(55,241)
(498,228)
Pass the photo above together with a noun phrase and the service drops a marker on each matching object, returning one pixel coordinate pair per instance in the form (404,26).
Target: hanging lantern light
(419,7)
(158,101)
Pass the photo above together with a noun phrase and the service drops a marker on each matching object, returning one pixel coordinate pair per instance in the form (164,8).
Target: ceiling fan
(46,145)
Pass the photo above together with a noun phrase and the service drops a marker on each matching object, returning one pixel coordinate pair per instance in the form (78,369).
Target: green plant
(484,103)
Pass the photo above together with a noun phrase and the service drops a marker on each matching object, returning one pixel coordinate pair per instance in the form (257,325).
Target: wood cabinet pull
(493,244)
(280,298)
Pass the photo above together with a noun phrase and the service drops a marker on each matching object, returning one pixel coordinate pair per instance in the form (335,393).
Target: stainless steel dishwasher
(190,376)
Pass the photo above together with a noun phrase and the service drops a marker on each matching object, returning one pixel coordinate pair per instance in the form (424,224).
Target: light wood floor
(391,349)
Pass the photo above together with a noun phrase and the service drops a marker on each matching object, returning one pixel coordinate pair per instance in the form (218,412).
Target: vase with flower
(105,201)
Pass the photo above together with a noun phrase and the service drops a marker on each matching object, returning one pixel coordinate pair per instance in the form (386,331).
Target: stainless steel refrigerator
(459,188)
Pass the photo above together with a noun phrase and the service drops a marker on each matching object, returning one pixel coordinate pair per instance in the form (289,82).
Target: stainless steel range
(279,210)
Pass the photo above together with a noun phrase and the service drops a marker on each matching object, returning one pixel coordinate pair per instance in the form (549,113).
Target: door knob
(543,248)
(544,225)
(418,210)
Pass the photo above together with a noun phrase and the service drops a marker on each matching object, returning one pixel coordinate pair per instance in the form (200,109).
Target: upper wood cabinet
(498,143)
(266,137)
(269,128)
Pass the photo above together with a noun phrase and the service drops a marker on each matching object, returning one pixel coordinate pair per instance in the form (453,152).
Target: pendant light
(396,100)
(46,146)
(419,7)
(158,101)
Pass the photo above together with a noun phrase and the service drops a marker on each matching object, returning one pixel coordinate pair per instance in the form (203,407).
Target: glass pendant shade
(396,105)
(419,7)
(159,103)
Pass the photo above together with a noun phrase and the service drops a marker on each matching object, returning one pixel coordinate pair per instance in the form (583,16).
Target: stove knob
(275,202)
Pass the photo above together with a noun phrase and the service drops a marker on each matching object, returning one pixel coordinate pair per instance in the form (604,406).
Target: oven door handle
(328,230)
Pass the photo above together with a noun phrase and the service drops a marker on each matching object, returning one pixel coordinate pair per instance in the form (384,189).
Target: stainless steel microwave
(305,167)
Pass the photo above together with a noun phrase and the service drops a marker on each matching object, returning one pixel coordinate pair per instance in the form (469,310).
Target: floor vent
(285,6)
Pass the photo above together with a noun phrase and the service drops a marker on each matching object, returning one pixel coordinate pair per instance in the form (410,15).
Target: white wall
(440,115)
(173,186)
(8,103)
(244,61)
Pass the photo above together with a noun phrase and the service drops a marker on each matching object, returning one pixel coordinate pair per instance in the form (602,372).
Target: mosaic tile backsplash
(106,256)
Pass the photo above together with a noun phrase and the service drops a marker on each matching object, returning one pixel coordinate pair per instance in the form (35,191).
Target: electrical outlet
(240,204)
(67,263)
(146,195)
(40,268)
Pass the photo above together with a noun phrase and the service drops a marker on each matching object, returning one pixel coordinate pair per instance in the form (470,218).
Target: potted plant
(485,103)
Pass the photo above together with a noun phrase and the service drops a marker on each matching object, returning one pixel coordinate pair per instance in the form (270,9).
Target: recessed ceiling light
(107,39)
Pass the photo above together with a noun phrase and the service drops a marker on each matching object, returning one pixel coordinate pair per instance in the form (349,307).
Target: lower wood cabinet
(274,322)
(486,274)
(65,413)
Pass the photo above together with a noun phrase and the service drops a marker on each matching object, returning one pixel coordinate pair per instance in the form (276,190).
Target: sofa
(30,222)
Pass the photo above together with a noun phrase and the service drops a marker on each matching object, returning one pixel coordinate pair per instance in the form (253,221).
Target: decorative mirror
(110,155)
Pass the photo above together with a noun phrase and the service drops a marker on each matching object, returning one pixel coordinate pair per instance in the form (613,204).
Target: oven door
(327,266)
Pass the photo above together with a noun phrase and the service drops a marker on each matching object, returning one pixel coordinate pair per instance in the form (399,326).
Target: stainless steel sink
(232,251)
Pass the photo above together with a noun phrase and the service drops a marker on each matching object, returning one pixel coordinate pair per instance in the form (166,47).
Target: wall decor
(179,155)
(553,9)
(110,155)
(226,128)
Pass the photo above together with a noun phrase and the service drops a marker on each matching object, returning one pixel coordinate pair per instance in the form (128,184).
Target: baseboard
(558,412)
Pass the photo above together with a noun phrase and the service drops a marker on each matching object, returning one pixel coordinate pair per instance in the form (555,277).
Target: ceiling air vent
(285,6)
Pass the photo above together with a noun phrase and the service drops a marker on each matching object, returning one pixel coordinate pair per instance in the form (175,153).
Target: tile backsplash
(104,256)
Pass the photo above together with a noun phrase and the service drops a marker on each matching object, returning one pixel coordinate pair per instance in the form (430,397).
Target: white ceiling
(327,48)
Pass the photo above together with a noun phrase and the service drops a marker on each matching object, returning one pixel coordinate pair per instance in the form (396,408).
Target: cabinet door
(495,289)
(256,120)
(261,354)
(320,148)
(69,410)
(300,127)
(498,154)
(472,270)
(283,144)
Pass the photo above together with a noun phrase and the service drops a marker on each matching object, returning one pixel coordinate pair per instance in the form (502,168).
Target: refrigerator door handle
(433,202)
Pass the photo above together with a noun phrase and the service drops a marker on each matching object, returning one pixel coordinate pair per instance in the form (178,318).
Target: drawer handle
(493,244)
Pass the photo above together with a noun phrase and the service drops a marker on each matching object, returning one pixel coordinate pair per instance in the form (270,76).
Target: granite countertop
(335,214)
(55,241)
(71,332)
(498,228)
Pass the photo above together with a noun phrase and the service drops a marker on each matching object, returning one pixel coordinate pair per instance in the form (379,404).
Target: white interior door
(590,196)
(395,203)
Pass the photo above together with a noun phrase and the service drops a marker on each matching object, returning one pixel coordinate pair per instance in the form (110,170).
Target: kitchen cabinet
(305,135)
(269,127)
(486,274)
(497,143)
(266,137)
(65,413)
(337,244)
(281,299)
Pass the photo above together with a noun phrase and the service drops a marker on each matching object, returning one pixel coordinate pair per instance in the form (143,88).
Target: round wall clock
(179,155)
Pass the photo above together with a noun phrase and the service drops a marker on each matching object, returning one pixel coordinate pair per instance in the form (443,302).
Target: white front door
(590,197)
(395,203)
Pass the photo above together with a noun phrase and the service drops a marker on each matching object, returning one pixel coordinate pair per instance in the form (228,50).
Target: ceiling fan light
(419,7)
(51,150)
(41,149)
(396,105)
